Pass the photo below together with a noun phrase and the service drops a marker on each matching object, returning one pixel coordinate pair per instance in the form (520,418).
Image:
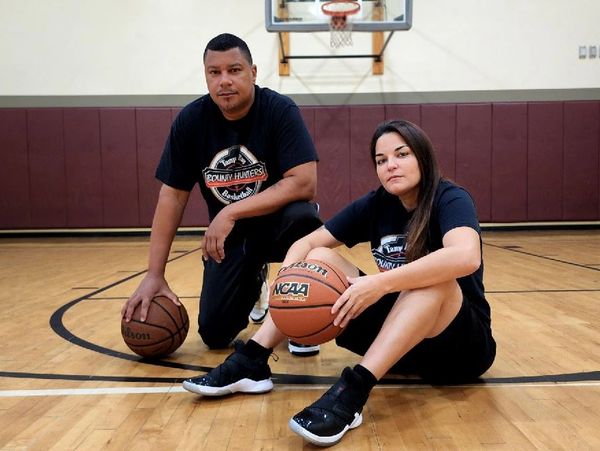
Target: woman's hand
(363,292)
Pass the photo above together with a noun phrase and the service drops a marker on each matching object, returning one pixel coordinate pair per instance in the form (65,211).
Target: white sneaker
(261,308)
(301,350)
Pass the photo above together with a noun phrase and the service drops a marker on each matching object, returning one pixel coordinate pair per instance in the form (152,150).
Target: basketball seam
(316,332)
(334,270)
(185,322)
(151,324)
(173,320)
(298,307)
(166,311)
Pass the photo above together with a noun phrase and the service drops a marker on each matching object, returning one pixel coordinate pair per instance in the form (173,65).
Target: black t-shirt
(380,219)
(232,160)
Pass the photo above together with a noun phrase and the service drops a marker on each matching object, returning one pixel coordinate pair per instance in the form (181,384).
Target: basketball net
(340,32)
(340,27)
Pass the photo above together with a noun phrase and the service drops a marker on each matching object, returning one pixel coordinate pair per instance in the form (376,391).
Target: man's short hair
(226,41)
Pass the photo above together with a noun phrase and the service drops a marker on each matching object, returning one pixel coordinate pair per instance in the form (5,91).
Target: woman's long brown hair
(417,232)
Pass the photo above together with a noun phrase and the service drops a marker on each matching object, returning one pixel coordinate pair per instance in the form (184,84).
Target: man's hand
(149,288)
(214,237)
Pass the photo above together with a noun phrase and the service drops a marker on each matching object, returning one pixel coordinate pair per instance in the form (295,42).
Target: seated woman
(425,312)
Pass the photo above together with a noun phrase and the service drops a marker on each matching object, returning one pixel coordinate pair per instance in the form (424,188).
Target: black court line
(544,257)
(124,298)
(57,325)
(304,379)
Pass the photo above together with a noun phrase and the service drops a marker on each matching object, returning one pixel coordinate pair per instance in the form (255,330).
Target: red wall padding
(363,121)
(581,173)
(545,162)
(15,200)
(509,161)
(83,167)
(440,123)
(94,167)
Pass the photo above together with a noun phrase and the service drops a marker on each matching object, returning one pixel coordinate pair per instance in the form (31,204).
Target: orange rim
(354,7)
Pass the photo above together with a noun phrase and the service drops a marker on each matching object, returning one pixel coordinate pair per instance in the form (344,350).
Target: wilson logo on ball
(128,333)
(312,267)
(295,291)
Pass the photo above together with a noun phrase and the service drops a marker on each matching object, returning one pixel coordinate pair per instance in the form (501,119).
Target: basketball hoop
(339,25)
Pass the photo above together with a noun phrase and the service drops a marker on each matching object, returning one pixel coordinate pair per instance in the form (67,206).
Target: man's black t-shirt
(232,160)
(380,219)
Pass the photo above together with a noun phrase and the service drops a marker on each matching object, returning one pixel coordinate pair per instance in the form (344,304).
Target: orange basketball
(301,299)
(164,330)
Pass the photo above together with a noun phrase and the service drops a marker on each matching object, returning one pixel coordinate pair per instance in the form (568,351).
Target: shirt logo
(391,252)
(234,174)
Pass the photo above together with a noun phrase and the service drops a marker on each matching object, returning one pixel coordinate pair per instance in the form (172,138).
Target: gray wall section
(312,99)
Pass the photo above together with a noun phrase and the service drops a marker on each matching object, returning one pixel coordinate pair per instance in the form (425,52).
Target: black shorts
(459,354)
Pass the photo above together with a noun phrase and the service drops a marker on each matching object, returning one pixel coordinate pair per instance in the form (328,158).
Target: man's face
(230,79)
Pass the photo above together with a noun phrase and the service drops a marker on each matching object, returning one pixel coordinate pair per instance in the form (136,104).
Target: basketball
(301,299)
(164,330)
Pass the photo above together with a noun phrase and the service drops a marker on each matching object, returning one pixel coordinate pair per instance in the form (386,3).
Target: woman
(425,312)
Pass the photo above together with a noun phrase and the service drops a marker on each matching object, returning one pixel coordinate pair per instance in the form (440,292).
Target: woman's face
(398,168)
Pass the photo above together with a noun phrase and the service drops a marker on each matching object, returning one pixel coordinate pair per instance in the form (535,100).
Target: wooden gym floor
(70,383)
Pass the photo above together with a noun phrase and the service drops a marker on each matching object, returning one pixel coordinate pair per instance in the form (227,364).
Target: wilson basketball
(301,299)
(164,330)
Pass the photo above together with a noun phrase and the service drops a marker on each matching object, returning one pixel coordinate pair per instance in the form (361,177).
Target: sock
(367,377)
(254,350)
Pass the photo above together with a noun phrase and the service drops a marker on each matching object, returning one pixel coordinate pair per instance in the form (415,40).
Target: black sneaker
(238,373)
(301,350)
(325,422)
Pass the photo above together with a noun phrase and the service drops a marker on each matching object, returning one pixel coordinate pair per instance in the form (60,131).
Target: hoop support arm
(377,57)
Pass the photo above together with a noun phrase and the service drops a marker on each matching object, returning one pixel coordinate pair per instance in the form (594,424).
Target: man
(248,149)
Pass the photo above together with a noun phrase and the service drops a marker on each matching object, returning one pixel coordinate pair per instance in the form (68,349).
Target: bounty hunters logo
(390,253)
(234,174)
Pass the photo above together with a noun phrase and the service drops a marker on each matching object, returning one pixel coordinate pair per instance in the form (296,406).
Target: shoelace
(274,356)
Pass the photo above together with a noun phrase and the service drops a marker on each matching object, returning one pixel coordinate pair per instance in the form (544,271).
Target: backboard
(307,15)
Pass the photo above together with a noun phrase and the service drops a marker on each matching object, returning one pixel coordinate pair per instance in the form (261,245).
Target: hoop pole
(284,57)
(284,42)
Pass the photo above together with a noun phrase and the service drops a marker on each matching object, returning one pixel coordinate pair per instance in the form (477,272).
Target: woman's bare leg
(416,315)
(330,256)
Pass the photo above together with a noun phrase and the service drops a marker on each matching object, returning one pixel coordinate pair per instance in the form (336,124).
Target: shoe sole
(328,440)
(241,386)
(304,354)
(302,351)
(258,319)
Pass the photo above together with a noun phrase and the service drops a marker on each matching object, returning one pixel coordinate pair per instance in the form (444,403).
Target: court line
(313,380)
(178,389)
(59,328)
(57,325)
(544,257)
